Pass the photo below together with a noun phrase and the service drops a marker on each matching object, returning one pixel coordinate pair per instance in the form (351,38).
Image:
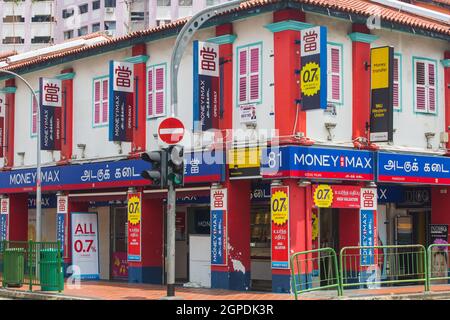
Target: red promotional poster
(280,227)
(336,196)
(119,268)
(134,226)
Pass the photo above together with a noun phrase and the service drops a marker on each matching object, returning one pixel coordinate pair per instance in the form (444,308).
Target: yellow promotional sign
(244,162)
(310,76)
(280,207)
(379,67)
(315,226)
(134,210)
(323,196)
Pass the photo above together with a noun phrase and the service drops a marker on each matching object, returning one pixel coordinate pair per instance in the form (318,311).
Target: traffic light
(175,165)
(158,171)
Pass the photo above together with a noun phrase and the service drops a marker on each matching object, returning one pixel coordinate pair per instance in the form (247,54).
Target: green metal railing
(362,266)
(32,264)
(303,265)
(438,264)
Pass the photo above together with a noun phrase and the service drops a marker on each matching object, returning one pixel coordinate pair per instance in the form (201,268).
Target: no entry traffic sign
(171,130)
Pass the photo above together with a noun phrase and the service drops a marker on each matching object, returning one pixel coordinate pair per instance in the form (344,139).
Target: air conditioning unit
(109,10)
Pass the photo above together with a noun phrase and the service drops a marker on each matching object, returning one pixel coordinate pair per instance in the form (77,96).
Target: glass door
(119,243)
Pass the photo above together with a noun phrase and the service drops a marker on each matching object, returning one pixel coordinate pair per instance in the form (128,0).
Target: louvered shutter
(254,74)
(242,72)
(431,88)
(420,87)
(97,102)
(105,102)
(34,110)
(150,107)
(396,84)
(159,91)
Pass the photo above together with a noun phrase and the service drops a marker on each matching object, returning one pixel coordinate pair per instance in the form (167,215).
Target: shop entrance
(118,244)
(260,248)
(328,238)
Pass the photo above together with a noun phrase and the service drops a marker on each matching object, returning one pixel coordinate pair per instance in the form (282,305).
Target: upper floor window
(66,13)
(96,27)
(156,91)
(425,85)
(185,3)
(163,3)
(335,73)
(96,5)
(101,101)
(397,86)
(83,8)
(110,3)
(34,111)
(249,74)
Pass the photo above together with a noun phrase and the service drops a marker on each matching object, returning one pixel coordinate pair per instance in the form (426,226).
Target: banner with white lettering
(206,86)
(85,255)
(4,219)
(219,221)
(2,123)
(50,113)
(135,226)
(368,225)
(62,203)
(121,102)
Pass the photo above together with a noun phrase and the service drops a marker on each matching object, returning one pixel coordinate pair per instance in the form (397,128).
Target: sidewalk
(105,290)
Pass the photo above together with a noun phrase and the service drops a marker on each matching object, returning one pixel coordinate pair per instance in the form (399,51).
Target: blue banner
(408,168)
(317,163)
(403,196)
(367,236)
(60,230)
(3,227)
(48,201)
(218,237)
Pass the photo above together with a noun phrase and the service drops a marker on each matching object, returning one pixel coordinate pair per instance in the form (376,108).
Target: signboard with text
(247,114)
(4,219)
(134,226)
(62,223)
(50,113)
(244,162)
(336,196)
(313,69)
(367,222)
(219,231)
(85,255)
(382,86)
(279,208)
(2,123)
(121,102)
(206,86)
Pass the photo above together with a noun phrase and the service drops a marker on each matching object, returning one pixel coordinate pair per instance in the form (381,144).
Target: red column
(10,118)
(18,217)
(440,201)
(67,116)
(236,274)
(446,63)
(286,62)
(149,269)
(139,135)
(361,79)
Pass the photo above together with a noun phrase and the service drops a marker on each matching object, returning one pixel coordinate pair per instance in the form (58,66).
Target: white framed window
(397,85)
(249,67)
(156,90)
(334,73)
(101,101)
(425,79)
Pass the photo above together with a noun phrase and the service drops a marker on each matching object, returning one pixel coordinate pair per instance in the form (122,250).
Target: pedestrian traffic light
(158,170)
(175,165)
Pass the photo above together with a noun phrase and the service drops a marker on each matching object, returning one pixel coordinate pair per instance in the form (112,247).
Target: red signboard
(171,130)
(134,226)
(336,196)
(280,227)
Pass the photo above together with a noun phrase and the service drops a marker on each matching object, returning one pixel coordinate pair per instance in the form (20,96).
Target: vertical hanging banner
(206,86)
(50,114)
(62,203)
(134,226)
(4,219)
(382,94)
(219,227)
(368,225)
(279,207)
(313,68)
(2,123)
(85,244)
(121,101)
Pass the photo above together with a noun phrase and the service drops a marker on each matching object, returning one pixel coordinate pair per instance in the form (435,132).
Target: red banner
(336,196)
(134,226)
(279,204)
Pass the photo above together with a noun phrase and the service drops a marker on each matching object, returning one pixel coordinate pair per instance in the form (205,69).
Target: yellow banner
(244,158)
(134,209)
(323,196)
(379,66)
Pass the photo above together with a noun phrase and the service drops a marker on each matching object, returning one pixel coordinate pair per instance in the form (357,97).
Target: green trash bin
(51,270)
(14,267)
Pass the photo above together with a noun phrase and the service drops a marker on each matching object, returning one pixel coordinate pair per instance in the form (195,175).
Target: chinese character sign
(279,207)
(367,222)
(4,219)
(2,123)
(206,86)
(121,101)
(62,203)
(50,113)
(313,69)
(218,227)
(134,226)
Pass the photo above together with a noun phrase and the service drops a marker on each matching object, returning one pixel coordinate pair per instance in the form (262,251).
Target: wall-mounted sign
(50,113)
(219,230)
(381,110)
(48,201)
(367,220)
(409,168)
(62,223)
(317,163)
(244,162)
(247,114)
(206,85)
(85,248)
(2,123)
(336,196)
(121,102)
(134,226)
(313,70)
(279,208)
(438,233)
(4,219)
(404,196)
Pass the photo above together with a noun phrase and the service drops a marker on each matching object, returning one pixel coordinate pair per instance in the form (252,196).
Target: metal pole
(181,43)
(38,156)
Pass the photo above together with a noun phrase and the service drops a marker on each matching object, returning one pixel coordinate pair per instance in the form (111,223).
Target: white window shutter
(431,88)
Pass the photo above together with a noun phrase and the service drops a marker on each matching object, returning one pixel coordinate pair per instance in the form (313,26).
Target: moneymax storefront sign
(317,163)
(409,168)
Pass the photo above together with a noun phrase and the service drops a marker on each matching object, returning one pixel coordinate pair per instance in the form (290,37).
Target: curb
(26,295)
(410,296)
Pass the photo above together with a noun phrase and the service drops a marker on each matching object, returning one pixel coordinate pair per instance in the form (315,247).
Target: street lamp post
(181,43)
(38,156)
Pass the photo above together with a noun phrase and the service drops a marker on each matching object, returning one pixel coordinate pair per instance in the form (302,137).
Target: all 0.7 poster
(84,230)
